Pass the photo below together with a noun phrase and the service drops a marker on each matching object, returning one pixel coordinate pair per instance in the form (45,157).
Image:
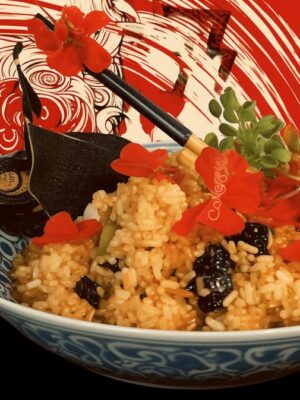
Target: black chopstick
(166,122)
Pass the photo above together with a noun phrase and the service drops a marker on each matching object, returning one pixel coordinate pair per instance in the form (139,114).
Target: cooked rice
(156,266)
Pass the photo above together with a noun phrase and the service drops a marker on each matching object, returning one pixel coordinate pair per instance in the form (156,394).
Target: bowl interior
(158,358)
(11,245)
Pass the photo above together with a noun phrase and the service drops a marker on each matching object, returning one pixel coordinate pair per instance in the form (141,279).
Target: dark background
(25,364)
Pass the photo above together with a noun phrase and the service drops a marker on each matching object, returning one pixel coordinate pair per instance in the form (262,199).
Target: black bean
(216,259)
(87,289)
(256,235)
(219,287)
(214,267)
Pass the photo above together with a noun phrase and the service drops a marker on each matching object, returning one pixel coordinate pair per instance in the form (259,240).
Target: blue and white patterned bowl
(159,358)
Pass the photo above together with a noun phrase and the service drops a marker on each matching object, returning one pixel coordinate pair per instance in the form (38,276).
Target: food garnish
(226,175)
(107,234)
(291,252)
(256,139)
(61,228)
(69,47)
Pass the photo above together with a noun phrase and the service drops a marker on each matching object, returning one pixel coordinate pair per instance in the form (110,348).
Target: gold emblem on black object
(18,210)
(14,178)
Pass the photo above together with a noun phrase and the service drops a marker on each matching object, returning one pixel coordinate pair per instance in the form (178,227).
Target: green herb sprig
(255,139)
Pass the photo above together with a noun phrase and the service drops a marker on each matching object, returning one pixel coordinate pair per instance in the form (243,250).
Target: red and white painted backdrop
(154,45)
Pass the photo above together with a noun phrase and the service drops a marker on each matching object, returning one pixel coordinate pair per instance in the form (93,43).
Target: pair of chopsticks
(192,144)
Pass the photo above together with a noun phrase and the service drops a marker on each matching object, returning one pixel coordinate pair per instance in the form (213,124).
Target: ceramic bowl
(160,358)
(172,359)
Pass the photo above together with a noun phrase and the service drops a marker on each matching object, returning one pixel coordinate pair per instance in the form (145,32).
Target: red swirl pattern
(62,112)
(68,104)
(153,49)
(11,135)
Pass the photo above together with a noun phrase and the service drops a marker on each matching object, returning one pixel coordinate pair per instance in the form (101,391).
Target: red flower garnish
(291,252)
(69,47)
(137,161)
(60,228)
(281,199)
(278,188)
(282,212)
(232,188)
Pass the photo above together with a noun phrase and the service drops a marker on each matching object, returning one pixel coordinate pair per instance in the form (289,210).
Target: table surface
(34,363)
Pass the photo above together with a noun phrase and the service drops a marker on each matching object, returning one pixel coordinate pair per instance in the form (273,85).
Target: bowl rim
(260,335)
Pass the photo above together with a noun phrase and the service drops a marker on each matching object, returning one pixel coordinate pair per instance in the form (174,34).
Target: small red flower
(291,252)
(60,228)
(282,212)
(232,188)
(280,203)
(69,47)
(137,161)
(279,187)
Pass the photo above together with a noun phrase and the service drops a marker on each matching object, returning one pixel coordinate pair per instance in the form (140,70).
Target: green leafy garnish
(255,139)
(215,108)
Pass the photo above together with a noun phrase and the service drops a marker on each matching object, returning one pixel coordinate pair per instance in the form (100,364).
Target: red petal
(159,176)
(205,165)
(60,224)
(94,21)
(136,153)
(220,217)
(158,157)
(244,192)
(43,240)
(60,228)
(137,161)
(128,168)
(65,61)
(74,16)
(45,38)
(88,228)
(61,32)
(226,177)
(236,163)
(291,252)
(188,220)
(92,55)
(283,212)
(219,168)
(279,186)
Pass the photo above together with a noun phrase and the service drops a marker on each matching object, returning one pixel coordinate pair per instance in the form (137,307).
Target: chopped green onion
(107,234)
